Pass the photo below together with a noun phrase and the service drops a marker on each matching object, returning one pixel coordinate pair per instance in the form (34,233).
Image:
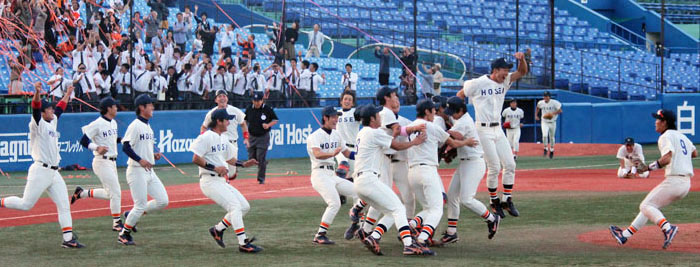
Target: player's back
(682,150)
(371,144)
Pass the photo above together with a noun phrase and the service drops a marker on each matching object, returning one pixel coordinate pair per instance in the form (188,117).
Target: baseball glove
(506,125)
(548,116)
(641,166)
(447,154)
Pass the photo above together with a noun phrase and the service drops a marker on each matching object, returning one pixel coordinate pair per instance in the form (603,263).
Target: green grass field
(545,234)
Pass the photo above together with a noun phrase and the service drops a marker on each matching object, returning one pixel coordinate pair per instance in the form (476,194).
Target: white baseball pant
(143,184)
(232,169)
(328,185)
(399,170)
(514,138)
(381,199)
(497,152)
(424,180)
(40,179)
(217,189)
(622,172)
(106,171)
(671,189)
(385,178)
(463,186)
(549,129)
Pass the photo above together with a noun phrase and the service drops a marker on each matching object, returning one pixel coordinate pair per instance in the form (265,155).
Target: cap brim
(510,65)
(449,111)
(656,116)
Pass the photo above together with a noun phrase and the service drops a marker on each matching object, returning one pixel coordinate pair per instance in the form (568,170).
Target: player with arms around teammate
(231,132)
(143,181)
(214,153)
(550,109)
(628,154)
(101,137)
(43,173)
(323,145)
(487,94)
(371,143)
(347,127)
(512,116)
(677,152)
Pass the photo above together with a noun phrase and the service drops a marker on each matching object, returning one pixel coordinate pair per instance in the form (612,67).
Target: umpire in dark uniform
(260,119)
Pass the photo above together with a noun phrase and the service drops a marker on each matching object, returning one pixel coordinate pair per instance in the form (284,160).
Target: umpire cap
(666,115)
(454,104)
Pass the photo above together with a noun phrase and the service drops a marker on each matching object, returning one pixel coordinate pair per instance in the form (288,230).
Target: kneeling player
(628,154)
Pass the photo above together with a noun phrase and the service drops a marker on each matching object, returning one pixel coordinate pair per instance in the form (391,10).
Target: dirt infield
(565,149)
(650,238)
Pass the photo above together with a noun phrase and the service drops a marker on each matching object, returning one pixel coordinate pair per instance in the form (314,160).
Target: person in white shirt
(256,80)
(219,79)
(629,153)
(467,178)
(371,145)
(227,39)
(349,78)
(322,146)
(314,82)
(197,87)
(101,137)
(550,110)
(231,133)
(677,153)
(240,82)
(138,144)
(487,93)
(82,79)
(316,39)
(512,116)
(81,55)
(122,84)
(348,127)
(214,153)
(304,84)
(43,174)
(275,83)
(292,73)
(439,118)
(103,83)
(59,84)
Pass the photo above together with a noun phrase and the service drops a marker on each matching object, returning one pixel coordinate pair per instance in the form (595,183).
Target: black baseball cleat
(551,154)
(355,214)
(322,239)
(417,249)
(545,153)
(373,245)
(248,247)
(133,228)
(73,243)
(218,236)
(496,208)
(76,194)
(125,238)
(350,233)
(117,226)
(669,235)
(361,234)
(510,207)
(493,226)
(448,238)
(343,200)
(616,232)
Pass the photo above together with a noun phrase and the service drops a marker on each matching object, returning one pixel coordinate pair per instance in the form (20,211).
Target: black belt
(327,167)
(350,145)
(214,175)
(233,141)
(390,156)
(55,168)
(492,124)
(480,157)
(360,173)
(112,158)
(395,160)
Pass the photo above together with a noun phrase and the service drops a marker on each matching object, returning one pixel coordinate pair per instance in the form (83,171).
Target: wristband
(245,135)
(92,146)
(654,165)
(403,131)
(352,155)
(239,163)
(209,166)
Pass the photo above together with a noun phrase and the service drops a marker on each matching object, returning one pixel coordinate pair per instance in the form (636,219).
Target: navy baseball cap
(107,102)
(258,96)
(454,104)
(384,91)
(221,92)
(501,63)
(45,103)
(221,114)
(424,104)
(666,115)
(143,99)
(629,141)
(330,111)
(369,110)
(439,101)
(547,93)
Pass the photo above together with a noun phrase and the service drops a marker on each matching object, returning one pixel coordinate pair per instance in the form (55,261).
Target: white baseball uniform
(371,148)
(231,132)
(103,132)
(487,97)
(399,172)
(676,184)
(323,178)
(424,178)
(216,149)
(629,158)
(142,182)
(513,133)
(440,122)
(549,126)
(347,128)
(43,173)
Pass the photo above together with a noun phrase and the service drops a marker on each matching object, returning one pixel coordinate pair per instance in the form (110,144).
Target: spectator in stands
(408,88)
(384,58)
(91,6)
(152,24)
(260,118)
(83,83)
(208,39)
(103,83)
(408,57)
(240,82)
(292,81)
(180,32)
(275,82)
(16,70)
(291,35)
(40,15)
(159,7)
(189,18)
(349,79)
(201,22)
(426,82)
(438,78)
(122,84)
(171,93)
(248,46)
(275,36)
(226,41)
(316,39)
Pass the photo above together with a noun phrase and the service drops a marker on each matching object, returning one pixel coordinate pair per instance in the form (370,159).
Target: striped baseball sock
(426,233)
(507,191)
(405,234)
(416,222)
(493,193)
(2,202)
(240,234)
(629,231)
(222,225)
(67,233)
(127,229)
(323,228)
(379,231)
(116,218)
(452,226)
(368,225)
(664,224)
(86,193)
(488,216)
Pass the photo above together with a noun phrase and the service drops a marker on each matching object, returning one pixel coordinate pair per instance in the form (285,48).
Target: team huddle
(359,153)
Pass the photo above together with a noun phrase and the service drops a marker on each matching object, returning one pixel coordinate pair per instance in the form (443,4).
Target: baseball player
(221,100)
(423,171)
(550,109)
(487,94)
(371,145)
(143,181)
(100,136)
(677,152)
(628,154)
(43,173)
(466,179)
(347,127)
(512,116)
(214,153)
(439,118)
(323,145)
(399,172)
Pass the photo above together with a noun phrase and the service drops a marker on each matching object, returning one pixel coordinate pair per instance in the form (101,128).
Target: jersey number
(685,150)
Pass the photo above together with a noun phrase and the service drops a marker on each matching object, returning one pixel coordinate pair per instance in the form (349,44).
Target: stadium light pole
(551,40)
(415,43)
(131,49)
(661,49)
(517,33)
